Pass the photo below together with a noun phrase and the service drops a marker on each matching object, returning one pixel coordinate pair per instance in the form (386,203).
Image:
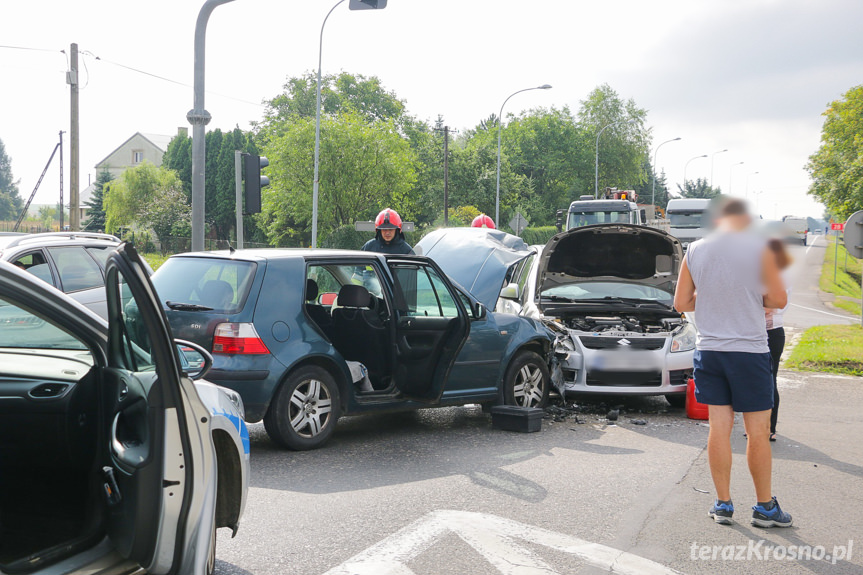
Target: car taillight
(237,338)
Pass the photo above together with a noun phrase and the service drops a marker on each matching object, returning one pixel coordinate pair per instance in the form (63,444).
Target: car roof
(258,254)
(57,238)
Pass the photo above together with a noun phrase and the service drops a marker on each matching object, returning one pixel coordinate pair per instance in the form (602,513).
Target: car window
(424,291)
(526,266)
(100,254)
(77,270)
(35,263)
(331,277)
(136,342)
(222,285)
(20,328)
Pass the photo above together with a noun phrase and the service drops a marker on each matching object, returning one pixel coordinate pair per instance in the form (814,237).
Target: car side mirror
(510,291)
(478,310)
(195,361)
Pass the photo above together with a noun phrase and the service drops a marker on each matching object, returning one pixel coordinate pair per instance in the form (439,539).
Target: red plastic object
(694,409)
(328,298)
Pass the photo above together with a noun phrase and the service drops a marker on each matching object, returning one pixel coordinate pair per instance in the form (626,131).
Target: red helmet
(388,219)
(483,221)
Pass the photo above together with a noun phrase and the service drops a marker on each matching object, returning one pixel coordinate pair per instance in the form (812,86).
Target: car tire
(527,381)
(676,399)
(305,409)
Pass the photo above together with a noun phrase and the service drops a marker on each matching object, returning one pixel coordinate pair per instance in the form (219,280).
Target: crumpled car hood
(476,258)
(611,252)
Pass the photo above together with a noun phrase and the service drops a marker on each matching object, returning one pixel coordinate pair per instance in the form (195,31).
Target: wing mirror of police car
(195,361)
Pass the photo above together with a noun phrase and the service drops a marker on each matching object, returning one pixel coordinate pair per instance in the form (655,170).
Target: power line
(29,49)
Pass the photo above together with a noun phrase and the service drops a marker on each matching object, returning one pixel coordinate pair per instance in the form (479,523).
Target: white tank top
(729,302)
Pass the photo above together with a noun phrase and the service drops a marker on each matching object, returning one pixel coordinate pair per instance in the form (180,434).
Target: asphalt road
(809,306)
(441,492)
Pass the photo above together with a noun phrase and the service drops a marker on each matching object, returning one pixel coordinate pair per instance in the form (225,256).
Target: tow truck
(614,207)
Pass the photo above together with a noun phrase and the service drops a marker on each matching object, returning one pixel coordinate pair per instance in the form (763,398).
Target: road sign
(518,223)
(854,235)
(837,227)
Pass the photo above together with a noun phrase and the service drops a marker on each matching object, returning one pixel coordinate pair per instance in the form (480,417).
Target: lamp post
(712,159)
(361,5)
(746,192)
(730,174)
(656,151)
(499,127)
(199,118)
(686,165)
(596,164)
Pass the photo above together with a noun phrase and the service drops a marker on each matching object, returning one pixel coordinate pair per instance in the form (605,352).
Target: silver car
(113,460)
(607,288)
(73,262)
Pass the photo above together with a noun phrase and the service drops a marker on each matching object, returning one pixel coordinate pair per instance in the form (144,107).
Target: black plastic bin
(515,418)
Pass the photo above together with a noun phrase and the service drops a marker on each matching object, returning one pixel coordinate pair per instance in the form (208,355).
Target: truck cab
(688,219)
(615,207)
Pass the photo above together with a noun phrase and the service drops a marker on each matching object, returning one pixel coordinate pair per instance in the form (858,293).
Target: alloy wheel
(528,388)
(310,408)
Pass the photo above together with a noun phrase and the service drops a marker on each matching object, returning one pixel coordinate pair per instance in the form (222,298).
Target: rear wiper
(187,306)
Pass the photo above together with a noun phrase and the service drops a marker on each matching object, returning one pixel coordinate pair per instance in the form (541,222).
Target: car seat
(217,294)
(359,334)
(317,312)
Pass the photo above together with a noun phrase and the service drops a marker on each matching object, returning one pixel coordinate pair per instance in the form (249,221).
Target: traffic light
(254,181)
(367,4)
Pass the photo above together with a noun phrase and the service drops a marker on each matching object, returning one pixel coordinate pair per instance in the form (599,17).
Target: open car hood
(611,252)
(476,258)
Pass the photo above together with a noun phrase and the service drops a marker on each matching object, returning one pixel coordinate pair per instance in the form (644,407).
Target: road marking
(815,241)
(495,538)
(845,317)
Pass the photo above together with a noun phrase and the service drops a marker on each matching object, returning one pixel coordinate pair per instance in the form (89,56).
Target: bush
(538,236)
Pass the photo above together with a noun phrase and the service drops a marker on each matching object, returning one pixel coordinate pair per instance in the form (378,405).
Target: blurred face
(388,235)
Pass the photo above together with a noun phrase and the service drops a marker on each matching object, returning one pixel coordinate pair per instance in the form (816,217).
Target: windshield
(221,285)
(686,220)
(610,290)
(589,218)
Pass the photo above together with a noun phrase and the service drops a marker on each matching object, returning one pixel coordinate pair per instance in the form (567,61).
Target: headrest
(354,296)
(311,290)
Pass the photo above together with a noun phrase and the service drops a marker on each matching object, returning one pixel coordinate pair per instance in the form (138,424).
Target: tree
(168,214)
(95,209)
(364,168)
(625,141)
(134,198)
(10,202)
(363,95)
(698,189)
(837,167)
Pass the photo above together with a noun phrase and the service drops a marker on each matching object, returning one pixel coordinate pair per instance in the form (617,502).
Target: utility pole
(446,132)
(74,200)
(61,181)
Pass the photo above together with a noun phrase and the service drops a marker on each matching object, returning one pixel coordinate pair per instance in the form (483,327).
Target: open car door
(431,327)
(150,458)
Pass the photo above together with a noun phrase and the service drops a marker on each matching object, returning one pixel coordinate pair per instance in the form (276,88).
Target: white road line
(845,317)
(815,241)
(498,540)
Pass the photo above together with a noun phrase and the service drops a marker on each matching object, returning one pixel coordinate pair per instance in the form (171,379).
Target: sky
(749,76)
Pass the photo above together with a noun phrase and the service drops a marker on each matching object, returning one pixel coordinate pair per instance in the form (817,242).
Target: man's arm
(776,296)
(684,295)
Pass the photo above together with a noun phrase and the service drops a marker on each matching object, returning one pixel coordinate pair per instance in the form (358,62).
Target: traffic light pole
(199,118)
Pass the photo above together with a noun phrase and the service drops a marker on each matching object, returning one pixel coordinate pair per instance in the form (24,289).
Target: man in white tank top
(727,279)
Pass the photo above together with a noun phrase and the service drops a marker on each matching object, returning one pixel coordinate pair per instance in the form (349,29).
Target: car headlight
(684,340)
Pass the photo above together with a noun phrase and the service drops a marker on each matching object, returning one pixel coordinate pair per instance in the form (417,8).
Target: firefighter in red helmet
(483,221)
(389,238)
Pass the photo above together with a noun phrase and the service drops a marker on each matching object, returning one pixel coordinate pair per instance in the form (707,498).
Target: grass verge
(155,259)
(846,288)
(830,348)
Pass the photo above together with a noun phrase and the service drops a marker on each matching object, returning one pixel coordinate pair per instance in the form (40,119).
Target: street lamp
(656,151)
(499,126)
(712,158)
(596,165)
(746,192)
(361,5)
(686,165)
(199,118)
(730,174)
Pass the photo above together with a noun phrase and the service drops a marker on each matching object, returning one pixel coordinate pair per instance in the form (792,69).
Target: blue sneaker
(774,517)
(721,512)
